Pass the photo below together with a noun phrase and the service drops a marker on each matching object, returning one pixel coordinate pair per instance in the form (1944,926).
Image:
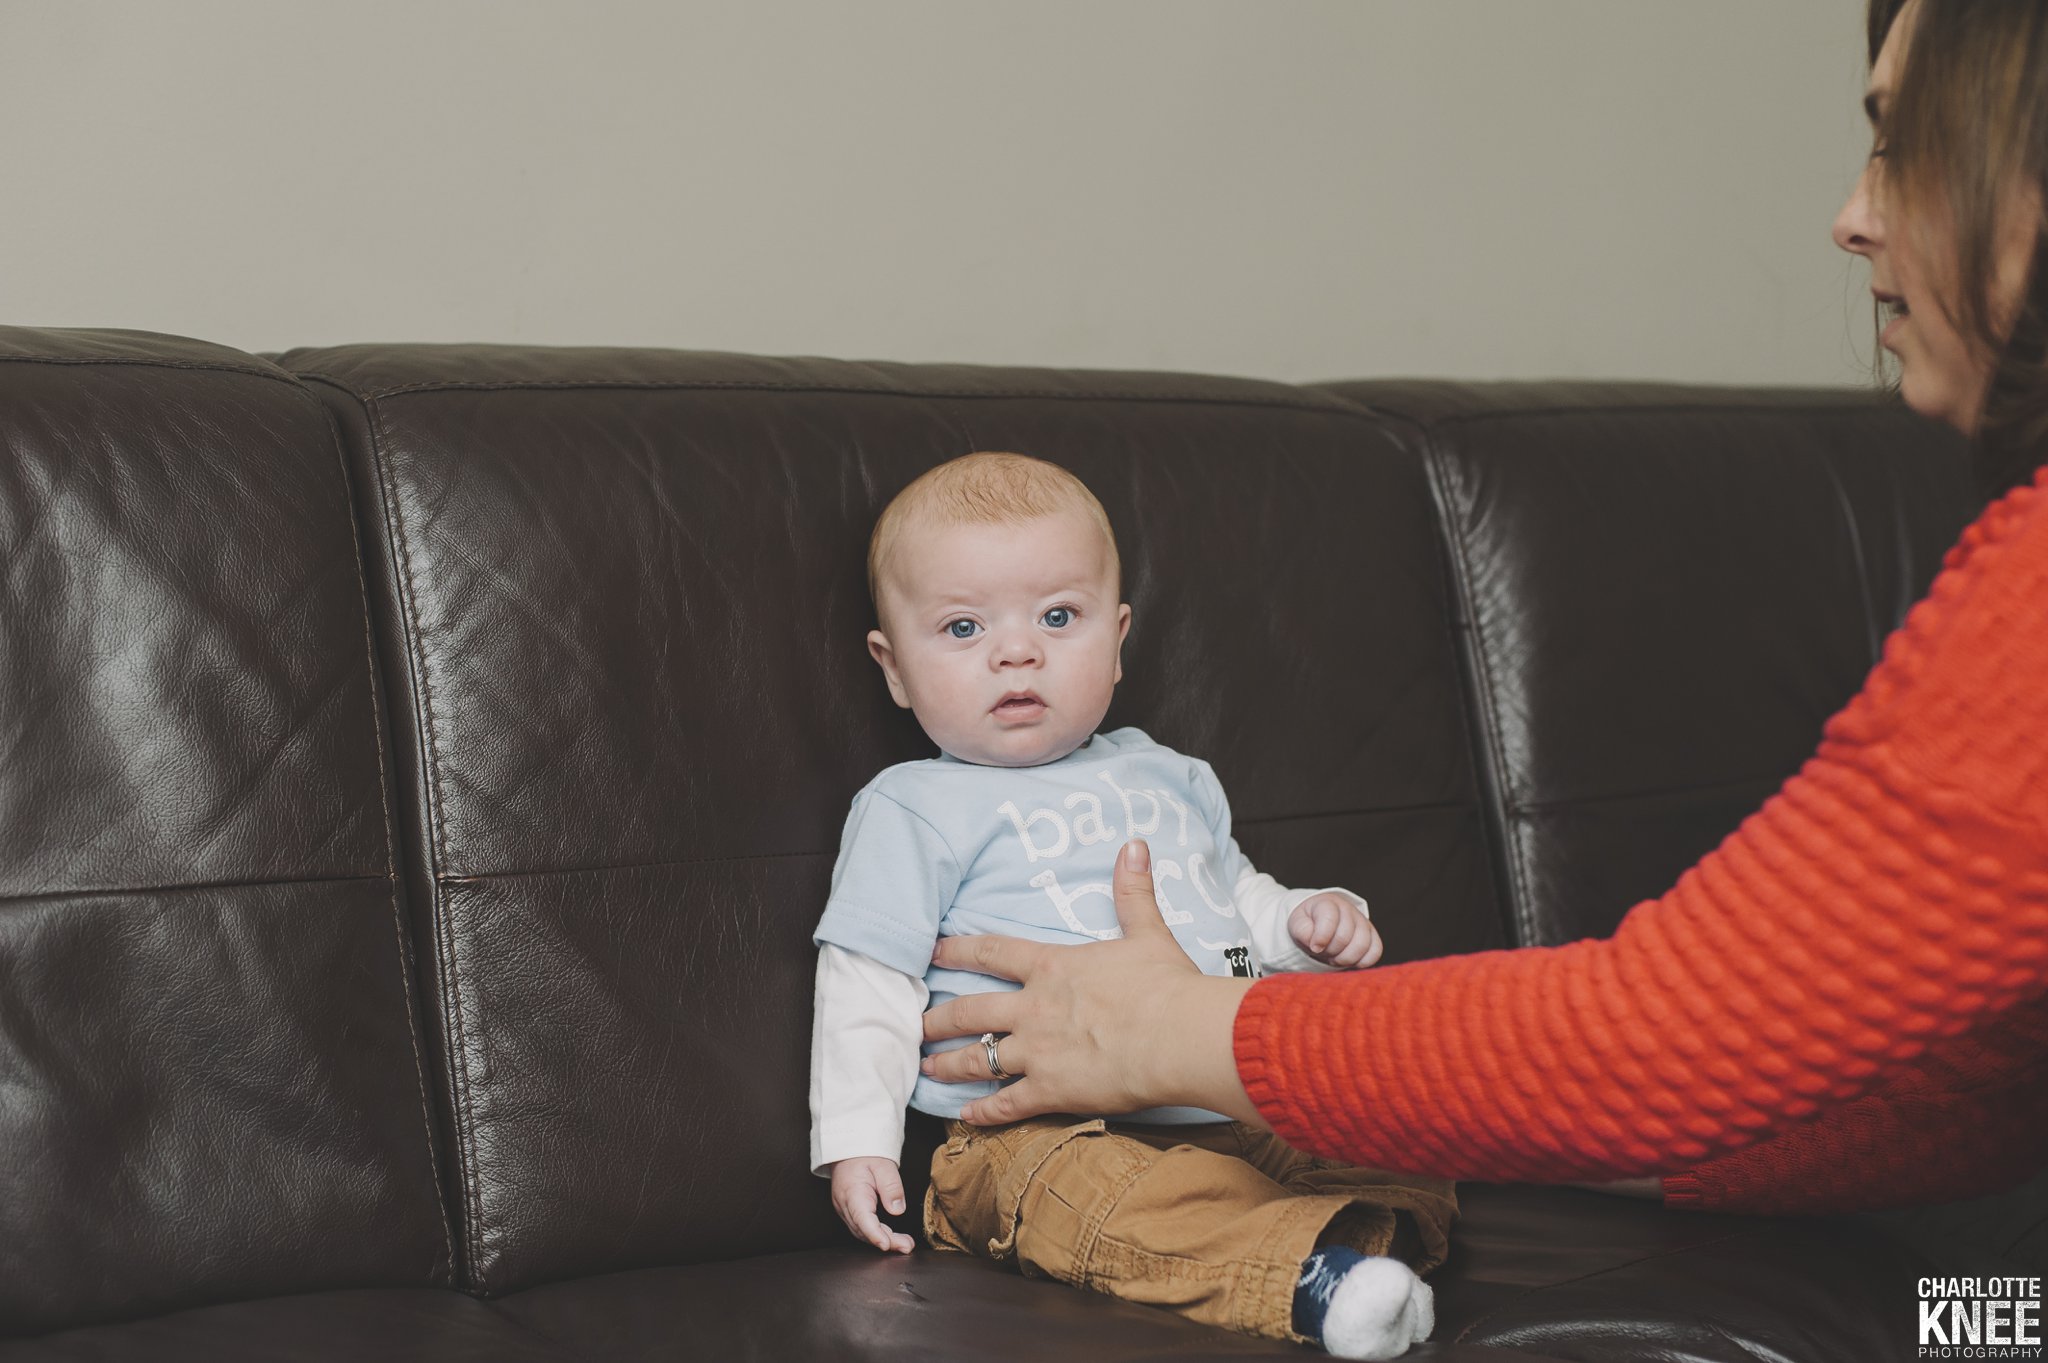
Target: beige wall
(1290,188)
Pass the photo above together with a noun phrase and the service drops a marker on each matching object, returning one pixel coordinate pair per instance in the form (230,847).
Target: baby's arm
(1295,930)
(866,1030)
(890,887)
(1290,930)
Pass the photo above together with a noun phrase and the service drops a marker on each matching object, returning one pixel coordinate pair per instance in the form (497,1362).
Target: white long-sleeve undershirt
(867,1027)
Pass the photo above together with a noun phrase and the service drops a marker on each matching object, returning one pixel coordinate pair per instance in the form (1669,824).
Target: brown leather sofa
(420,770)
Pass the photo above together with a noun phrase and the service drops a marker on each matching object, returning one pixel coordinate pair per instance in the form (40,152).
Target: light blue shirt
(941,848)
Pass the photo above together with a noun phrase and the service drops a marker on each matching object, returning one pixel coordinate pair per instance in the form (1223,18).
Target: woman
(1843,1006)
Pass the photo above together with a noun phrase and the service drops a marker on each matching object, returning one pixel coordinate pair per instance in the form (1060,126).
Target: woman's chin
(1940,401)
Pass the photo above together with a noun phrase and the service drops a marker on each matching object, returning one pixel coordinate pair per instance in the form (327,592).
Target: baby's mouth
(1018,705)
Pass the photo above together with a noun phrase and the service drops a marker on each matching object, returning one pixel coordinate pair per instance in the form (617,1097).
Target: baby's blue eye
(1059,617)
(963,629)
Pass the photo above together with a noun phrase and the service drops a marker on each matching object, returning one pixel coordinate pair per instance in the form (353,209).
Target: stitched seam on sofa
(191,887)
(419,1061)
(444,933)
(1332,406)
(467,877)
(441,946)
(1529,1292)
(1653,793)
(1306,816)
(275,376)
(396,515)
(1493,794)
(1336,404)
(479,877)
(1846,412)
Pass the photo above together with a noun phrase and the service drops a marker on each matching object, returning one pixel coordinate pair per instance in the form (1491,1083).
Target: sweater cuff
(1684,1190)
(1257,1066)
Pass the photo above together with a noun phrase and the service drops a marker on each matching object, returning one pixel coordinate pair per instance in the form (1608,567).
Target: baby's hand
(1333,928)
(858,1185)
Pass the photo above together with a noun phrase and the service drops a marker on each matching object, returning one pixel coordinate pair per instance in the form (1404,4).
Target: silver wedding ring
(988,1047)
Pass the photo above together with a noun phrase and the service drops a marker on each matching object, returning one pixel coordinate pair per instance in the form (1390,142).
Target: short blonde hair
(987,488)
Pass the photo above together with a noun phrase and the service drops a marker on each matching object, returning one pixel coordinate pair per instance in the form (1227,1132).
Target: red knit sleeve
(1966,1119)
(1894,893)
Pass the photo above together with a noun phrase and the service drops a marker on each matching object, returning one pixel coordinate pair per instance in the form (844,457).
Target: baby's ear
(1123,632)
(885,658)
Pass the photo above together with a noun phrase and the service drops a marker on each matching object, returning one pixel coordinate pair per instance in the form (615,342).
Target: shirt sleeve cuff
(877,936)
(874,1137)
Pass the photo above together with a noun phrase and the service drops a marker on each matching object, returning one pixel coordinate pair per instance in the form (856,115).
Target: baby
(997,584)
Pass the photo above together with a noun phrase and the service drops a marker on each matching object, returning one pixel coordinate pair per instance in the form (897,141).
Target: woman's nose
(1857,229)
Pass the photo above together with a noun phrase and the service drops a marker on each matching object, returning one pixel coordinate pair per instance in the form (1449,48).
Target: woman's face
(1913,271)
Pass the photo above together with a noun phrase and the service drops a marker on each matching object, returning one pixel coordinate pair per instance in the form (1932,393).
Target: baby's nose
(1016,651)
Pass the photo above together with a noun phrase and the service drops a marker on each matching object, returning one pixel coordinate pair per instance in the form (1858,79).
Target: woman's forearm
(1196,1067)
(1760,990)
(1893,893)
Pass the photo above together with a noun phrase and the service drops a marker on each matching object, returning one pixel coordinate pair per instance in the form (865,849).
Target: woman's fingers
(1137,905)
(1009,958)
(969,1063)
(973,1014)
(1097,1026)
(1005,1105)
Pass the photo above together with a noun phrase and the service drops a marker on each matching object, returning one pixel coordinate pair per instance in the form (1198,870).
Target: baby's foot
(1359,1307)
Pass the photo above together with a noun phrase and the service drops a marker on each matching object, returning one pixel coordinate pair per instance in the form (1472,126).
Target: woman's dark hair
(1966,127)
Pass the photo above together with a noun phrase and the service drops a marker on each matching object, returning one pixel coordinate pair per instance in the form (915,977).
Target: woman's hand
(1104,1027)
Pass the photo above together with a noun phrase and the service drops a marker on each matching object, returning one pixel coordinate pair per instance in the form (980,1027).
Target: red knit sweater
(1842,1006)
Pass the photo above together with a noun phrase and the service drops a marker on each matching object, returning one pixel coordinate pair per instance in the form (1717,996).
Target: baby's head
(996,580)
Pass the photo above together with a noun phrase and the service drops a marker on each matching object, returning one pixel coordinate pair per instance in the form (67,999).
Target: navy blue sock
(1320,1274)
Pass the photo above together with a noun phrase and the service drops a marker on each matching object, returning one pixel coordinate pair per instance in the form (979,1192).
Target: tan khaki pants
(1210,1221)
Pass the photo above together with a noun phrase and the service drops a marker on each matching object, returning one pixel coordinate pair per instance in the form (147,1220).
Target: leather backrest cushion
(1667,592)
(635,605)
(208,1081)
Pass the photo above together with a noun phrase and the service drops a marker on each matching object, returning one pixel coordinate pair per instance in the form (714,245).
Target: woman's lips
(1896,306)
